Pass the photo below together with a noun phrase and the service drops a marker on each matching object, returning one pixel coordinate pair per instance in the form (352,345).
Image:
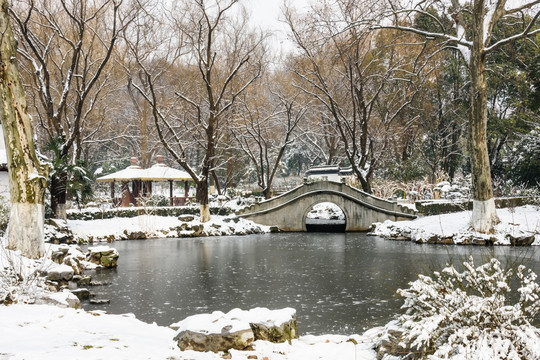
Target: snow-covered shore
(153,226)
(518,226)
(48,332)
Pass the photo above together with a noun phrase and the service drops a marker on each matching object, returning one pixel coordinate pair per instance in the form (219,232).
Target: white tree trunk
(61,211)
(484,216)
(27,176)
(205,213)
(25,229)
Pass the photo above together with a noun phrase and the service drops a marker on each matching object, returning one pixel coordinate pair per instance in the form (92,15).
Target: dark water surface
(338,283)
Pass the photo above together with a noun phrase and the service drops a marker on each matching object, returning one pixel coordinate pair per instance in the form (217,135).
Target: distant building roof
(322,170)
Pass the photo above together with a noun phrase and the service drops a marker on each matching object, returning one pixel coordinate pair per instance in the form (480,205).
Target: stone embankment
(517,227)
(148,227)
(65,272)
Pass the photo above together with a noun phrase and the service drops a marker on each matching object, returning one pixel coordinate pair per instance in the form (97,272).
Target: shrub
(4,214)
(524,162)
(470,314)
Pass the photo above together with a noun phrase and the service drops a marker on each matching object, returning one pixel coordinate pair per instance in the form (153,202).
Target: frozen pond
(338,283)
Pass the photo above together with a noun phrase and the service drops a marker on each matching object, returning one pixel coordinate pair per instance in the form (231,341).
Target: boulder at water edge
(236,329)
(213,332)
(103,255)
(59,272)
(62,299)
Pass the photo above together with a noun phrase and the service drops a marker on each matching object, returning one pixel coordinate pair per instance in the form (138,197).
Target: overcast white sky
(267,15)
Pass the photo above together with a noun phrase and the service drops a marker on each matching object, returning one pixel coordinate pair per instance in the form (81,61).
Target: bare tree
(360,77)
(266,126)
(67,46)
(27,176)
(468,27)
(220,61)
(320,137)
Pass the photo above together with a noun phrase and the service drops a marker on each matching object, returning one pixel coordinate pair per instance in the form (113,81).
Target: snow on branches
(471,314)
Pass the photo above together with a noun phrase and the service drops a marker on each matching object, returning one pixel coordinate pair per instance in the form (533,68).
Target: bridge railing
(327,186)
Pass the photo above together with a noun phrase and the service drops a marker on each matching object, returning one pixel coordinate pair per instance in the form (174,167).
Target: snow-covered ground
(48,332)
(517,222)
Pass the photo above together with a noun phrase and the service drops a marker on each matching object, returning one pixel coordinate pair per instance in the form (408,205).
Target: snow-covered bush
(470,314)
(19,277)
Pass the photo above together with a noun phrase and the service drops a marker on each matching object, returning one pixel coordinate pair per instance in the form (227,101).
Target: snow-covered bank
(518,226)
(47,332)
(153,226)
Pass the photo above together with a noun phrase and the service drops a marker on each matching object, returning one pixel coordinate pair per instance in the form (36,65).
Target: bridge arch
(331,223)
(288,211)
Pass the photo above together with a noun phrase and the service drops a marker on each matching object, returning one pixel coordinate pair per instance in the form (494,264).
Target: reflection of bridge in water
(289,210)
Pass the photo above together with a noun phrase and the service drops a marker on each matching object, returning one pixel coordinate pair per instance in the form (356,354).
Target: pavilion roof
(162,172)
(158,172)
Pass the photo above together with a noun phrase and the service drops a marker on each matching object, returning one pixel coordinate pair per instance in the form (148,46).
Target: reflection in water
(338,283)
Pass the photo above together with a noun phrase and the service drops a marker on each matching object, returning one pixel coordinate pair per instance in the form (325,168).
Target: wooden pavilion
(141,181)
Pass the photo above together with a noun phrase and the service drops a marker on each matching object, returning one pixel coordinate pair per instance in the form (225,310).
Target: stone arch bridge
(289,211)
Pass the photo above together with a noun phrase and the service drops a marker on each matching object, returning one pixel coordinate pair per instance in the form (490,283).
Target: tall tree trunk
(58,190)
(27,176)
(267,192)
(484,214)
(202,197)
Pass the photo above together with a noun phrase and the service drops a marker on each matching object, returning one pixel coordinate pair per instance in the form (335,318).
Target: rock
(212,332)
(62,299)
(70,255)
(236,329)
(466,240)
(186,218)
(135,235)
(82,293)
(182,227)
(58,255)
(447,240)
(252,357)
(197,229)
(103,255)
(270,325)
(276,333)
(82,280)
(58,232)
(239,340)
(478,241)
(60,273)
(520,239)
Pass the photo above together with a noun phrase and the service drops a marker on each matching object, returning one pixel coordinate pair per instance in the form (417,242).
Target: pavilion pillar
(112,193)
(126,196)
(186,189)
(171,192)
